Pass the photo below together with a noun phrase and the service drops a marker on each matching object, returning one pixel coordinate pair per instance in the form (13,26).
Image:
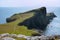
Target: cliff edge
(39,20)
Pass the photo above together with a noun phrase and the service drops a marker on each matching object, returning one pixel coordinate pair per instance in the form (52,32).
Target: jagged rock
(39,21)
(42,37)
(8,38)
(14,17)
(21,36)
(36,34)
(10,20)
(4,35)
(13,35)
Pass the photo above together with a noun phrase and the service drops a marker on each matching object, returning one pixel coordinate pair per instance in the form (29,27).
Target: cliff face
(39,20)
(17,16)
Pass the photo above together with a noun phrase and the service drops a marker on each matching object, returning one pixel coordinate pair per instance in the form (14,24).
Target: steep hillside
(25,23)
(34,19)
(13,27)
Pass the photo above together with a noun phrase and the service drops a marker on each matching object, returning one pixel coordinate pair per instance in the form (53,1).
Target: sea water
(52,29)
(6,12)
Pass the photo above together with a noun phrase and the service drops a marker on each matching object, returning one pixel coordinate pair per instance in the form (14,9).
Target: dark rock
(36,34)
(39,21)
(10,20)
(15,17)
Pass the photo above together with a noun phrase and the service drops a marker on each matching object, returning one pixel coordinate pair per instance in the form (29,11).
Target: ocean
(6,12)
(52,29)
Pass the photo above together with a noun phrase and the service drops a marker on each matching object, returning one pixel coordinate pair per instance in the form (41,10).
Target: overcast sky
(29,3)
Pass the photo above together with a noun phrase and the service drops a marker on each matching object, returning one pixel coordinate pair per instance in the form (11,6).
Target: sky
(29,3)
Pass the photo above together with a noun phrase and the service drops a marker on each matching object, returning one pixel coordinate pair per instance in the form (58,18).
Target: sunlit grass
(13,27)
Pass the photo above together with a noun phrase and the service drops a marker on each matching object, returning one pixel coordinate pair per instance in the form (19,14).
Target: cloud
(29,3)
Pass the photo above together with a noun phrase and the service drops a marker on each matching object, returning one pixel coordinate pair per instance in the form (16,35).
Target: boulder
(8,38)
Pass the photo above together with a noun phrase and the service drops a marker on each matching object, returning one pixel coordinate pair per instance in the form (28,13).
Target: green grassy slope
(13,27)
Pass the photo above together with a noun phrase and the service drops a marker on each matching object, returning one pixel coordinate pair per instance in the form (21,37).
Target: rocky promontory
(28,26)
(39,20)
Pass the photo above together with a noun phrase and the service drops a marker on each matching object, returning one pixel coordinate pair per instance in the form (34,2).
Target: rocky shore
(7,36)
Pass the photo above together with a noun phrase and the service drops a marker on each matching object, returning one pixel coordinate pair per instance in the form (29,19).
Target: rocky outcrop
(40,20)
(10,20)
(7,36)
(15,17)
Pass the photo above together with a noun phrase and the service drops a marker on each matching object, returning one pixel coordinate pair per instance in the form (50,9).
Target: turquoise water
(52,29)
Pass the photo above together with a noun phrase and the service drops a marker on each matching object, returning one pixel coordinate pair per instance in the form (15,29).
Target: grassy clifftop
(36,19)
(12,27)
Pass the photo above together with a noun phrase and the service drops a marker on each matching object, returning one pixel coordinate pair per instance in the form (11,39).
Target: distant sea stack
(38,21)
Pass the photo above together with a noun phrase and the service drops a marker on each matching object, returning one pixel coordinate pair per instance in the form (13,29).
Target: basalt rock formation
(39,20)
